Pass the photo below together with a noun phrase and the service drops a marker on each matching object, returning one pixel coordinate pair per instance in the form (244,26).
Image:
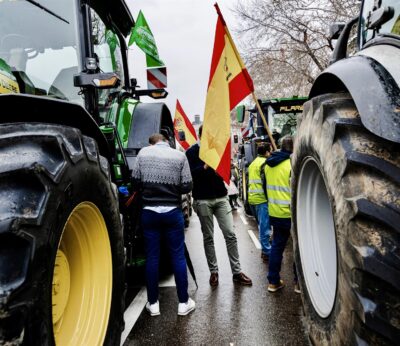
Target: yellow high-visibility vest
(256,192)
(278,189)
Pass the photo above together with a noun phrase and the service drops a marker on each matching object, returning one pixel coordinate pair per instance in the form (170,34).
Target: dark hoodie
(277,157)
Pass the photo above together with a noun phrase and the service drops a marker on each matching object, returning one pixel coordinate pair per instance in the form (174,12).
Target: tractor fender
(22,108)
(373,89)
(147,119)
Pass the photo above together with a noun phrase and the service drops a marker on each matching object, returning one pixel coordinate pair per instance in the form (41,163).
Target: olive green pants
(206,209)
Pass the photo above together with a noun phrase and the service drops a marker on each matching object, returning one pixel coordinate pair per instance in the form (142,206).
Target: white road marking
(243,219)
(254,239)
(133,312)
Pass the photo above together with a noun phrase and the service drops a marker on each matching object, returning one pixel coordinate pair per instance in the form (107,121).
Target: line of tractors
(72,124)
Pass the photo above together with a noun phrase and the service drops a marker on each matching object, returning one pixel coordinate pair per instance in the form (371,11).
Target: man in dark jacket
(277,174)
(162,174)
(210,198)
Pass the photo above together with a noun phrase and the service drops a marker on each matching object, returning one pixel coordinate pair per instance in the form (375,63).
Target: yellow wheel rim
(82,279)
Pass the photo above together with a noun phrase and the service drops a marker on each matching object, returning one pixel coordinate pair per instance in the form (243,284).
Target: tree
(286,43)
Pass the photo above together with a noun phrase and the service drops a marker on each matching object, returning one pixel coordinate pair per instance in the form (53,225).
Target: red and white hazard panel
(157,78)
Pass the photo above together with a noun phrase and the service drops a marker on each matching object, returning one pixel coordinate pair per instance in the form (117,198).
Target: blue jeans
(264,228)
(171,226)
(281,235)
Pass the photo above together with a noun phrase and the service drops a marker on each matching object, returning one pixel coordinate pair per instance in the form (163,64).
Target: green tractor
(281,115)
(346,187)
(71,126)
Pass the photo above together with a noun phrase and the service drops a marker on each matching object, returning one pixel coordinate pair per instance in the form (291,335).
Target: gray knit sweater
(162,174)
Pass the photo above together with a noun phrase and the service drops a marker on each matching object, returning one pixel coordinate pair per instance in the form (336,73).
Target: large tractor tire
(346,229)
(61,246)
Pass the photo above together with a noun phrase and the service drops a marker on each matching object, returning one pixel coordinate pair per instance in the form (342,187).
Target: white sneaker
(186,308)
(153,309)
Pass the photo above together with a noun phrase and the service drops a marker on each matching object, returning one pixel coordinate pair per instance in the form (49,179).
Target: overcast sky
(184,32)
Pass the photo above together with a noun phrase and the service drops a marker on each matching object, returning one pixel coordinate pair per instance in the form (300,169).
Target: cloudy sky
(184,32)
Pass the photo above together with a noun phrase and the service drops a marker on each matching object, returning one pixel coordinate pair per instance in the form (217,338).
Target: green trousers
(206,209)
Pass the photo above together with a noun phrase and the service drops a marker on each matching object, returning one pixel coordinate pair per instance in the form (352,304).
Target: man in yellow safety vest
(258,199)
(277,173)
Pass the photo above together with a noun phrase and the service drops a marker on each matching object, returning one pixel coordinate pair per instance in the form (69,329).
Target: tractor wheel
(346,225)
(61,246)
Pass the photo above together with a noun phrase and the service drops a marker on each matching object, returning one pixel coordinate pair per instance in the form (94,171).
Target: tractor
(71,126)
(281,115)
(346,186)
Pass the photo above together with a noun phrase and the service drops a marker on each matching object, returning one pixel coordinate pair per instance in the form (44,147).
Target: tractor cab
(281,115)
(67,50)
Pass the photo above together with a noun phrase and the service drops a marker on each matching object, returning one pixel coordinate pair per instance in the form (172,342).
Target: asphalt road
(228,314)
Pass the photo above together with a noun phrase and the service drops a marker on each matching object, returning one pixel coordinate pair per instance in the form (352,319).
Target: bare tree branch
(285,42)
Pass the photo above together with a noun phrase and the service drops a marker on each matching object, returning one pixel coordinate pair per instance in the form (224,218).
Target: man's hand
(205,166)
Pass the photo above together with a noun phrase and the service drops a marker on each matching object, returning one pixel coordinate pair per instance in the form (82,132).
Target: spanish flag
(229,83)
(182,123)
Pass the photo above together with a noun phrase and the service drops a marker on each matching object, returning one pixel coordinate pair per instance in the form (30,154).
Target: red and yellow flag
(182,123)
(229,83)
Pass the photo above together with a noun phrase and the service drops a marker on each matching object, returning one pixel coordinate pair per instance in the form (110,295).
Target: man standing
(162,175)
(258,199)
(277,173)
(210,198)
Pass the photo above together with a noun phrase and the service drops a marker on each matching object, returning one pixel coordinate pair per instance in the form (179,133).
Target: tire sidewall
(324,324)
(337,326)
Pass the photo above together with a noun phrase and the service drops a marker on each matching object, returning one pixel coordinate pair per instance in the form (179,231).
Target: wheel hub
(82,279)
(317,238)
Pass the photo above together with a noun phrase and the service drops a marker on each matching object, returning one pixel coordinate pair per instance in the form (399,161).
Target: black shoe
(242,279)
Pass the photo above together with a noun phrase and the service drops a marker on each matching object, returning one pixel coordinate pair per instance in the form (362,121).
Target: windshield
(282,123)
(40,49)
(392,26)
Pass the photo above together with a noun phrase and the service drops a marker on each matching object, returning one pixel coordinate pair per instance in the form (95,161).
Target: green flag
(143,37)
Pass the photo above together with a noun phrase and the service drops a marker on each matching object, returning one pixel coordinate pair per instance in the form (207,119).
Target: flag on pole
(248,131)
(182,123)
(143,37)
(229,83)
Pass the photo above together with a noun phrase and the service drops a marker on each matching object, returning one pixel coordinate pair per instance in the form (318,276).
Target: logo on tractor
(288,109)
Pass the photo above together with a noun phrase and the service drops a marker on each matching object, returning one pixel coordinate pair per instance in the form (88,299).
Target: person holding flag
(210,199)
(210,163)
(229,83)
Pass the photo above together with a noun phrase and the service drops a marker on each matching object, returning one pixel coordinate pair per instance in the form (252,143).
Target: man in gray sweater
(162,175)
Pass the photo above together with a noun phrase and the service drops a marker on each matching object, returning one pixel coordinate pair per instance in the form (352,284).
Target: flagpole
(264,122)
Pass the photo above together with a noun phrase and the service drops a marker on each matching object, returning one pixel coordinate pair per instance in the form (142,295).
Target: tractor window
(390,27)
(282,123)
(39,51)
(107,48)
